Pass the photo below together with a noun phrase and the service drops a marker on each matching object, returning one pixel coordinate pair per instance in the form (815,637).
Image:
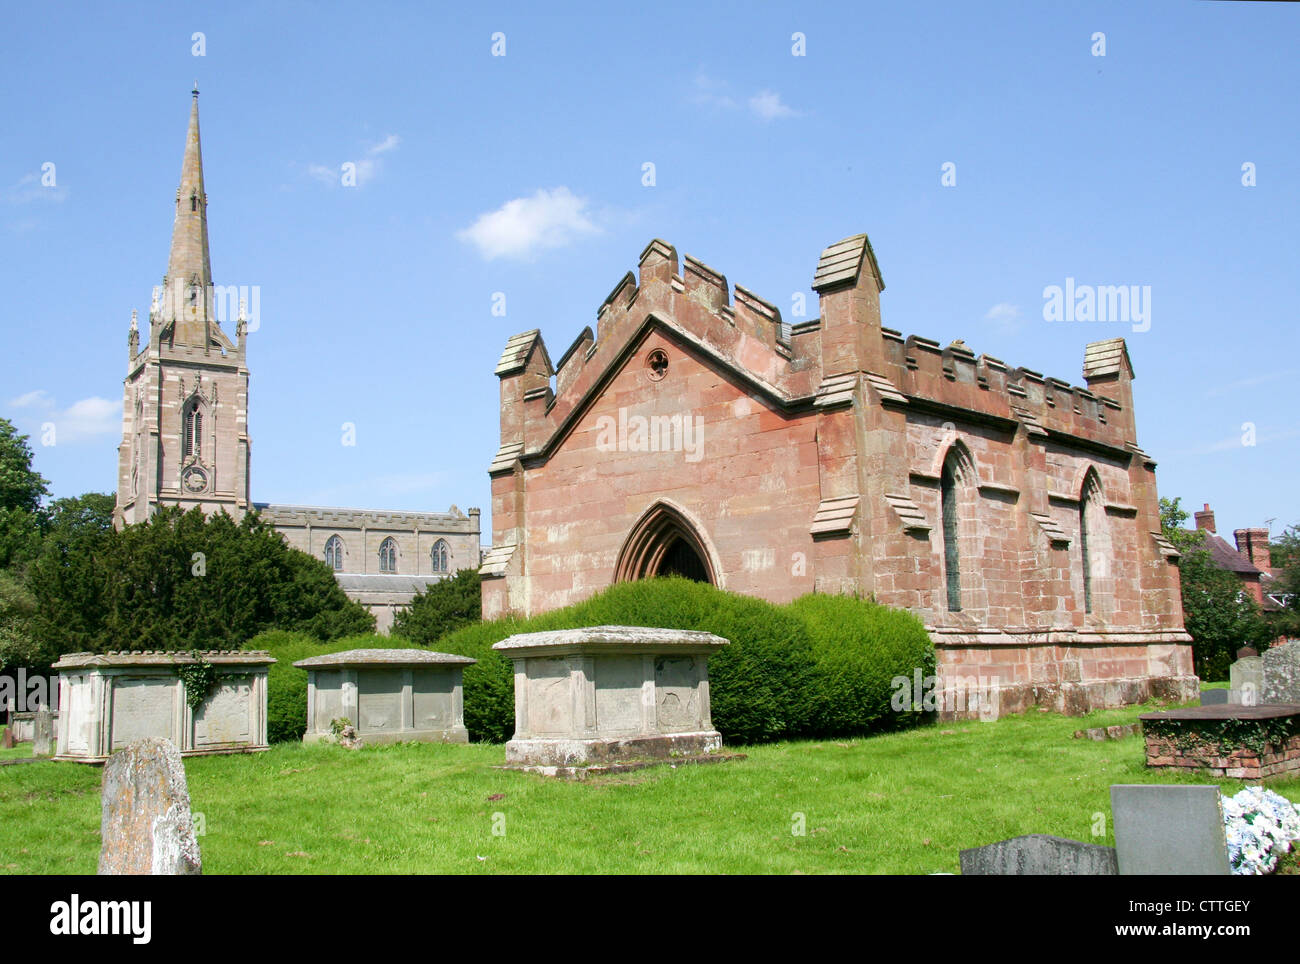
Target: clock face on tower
(195,479)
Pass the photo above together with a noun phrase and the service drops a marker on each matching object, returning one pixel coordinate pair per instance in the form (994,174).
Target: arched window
(438,556)
(388,555)
(1090,505)
(334,553)
(193,432)
(951,553)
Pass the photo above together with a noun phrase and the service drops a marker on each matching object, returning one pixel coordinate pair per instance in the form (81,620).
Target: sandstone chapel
(695,433)
(185,438)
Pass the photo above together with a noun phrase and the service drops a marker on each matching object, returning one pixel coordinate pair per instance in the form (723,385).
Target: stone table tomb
(606,693)
(109,700)
(389,695)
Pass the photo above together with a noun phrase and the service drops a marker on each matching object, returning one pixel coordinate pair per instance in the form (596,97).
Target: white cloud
(389,143)
(1251,382)
(40,398)
(1004,316)
(366,169)
(86,418)
(1232,443)
(708,92)
(326,175)
(29,188)
(767,105)
(522,227)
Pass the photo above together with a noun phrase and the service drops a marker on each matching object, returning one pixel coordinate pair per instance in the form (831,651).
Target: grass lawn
(903,803)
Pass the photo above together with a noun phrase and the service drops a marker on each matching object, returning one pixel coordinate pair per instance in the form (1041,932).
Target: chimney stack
(1205,518)
(1253,544)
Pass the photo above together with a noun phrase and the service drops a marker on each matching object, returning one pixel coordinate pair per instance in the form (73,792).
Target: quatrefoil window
(657,364)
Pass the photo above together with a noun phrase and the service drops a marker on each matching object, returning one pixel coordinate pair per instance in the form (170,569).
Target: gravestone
(1039,854)
(1247,678)
(1282,673)
(43,733)
(1168,829)
(146,827)
(1214,698)
(7,739)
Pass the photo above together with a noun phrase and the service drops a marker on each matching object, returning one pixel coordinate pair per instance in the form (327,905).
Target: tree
(442,607)
(90,513)
(21,491)
(1285,558)
(1218,613)
(17,647)
(20,486)
(178,581)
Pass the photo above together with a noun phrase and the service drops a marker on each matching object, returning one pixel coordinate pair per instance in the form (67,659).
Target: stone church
(694,432)
(185,439)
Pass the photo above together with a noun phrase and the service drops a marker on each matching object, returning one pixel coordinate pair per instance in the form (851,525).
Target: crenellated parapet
(792,366)
(322,516)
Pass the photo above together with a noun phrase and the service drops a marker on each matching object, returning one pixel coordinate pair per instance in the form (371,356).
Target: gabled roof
(1224,556)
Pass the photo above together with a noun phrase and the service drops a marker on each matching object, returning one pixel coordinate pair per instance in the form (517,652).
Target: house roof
(1224,556)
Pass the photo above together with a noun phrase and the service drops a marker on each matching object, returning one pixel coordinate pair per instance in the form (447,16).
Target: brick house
(1250,560)
(695,432)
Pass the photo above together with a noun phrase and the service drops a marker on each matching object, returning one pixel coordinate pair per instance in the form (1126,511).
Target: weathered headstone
(7,739)
(1168,829)
(146,826)
(1039,854)
(1282,673)
(1247,677)
(43,733)
(1214,697)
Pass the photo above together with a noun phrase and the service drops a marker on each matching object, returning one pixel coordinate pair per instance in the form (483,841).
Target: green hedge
(858,649)
(821,666)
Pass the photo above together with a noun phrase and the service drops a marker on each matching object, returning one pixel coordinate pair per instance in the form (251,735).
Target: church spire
(188,284)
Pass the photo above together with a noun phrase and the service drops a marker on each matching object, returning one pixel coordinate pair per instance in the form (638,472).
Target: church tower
(185,404)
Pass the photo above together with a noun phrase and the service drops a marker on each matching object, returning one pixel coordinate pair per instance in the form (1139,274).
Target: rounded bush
(859,649)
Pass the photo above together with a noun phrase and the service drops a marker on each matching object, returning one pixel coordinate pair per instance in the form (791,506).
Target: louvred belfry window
(193,432)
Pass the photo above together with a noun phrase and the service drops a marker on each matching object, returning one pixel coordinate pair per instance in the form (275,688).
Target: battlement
(745,332)
(956,376)
(453,520)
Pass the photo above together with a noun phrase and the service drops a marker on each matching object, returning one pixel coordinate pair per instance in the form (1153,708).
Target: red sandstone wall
(751,485)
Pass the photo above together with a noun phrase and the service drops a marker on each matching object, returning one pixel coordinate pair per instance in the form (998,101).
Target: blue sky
(522,174)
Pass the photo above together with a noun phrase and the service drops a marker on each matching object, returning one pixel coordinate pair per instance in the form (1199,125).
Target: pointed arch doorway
(664,543)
